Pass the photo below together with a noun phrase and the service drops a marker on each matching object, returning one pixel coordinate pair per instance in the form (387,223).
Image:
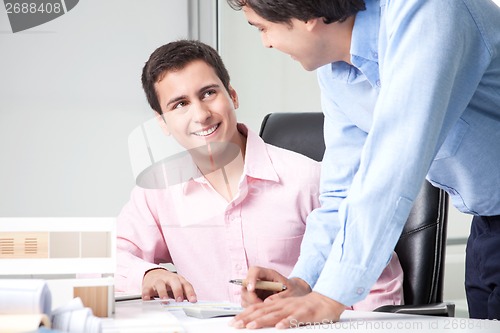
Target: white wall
(70,94)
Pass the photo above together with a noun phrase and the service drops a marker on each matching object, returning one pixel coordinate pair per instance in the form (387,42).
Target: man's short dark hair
(175,56)
(282,11)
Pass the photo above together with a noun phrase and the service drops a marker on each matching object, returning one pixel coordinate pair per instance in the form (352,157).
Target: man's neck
(223,168)
(337,41)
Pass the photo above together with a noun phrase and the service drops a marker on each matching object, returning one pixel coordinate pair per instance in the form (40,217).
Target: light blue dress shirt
(422,99)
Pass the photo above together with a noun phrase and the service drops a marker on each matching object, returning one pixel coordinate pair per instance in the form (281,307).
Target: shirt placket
(237,253)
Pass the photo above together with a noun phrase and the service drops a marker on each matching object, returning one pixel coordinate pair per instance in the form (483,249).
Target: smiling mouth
(208,131)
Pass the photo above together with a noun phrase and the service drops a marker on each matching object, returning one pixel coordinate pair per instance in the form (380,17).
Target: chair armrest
(444,309)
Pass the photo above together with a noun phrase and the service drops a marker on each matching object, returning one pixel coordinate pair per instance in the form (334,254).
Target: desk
(130,314)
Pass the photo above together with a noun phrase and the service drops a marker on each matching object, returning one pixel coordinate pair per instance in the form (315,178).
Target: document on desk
(203,309)
(139,316)
(205,312)
(122,296)
(159,315)
(171,304)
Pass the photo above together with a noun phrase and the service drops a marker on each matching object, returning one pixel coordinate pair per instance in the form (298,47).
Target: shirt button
(237,267)
(378,83)
(360,290)
(375,54)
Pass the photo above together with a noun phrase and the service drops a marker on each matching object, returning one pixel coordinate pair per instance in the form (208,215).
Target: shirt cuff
(333,284)
(307,270)
(136,274)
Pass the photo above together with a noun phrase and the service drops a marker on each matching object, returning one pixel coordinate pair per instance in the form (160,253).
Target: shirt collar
(257,164)
(364,48)
(364,43)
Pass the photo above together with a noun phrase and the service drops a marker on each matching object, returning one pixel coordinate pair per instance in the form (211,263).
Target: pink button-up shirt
(211,241)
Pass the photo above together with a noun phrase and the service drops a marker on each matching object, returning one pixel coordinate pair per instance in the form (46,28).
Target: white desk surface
(138,316)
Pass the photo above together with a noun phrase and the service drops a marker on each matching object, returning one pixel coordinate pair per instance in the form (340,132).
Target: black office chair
(421,247)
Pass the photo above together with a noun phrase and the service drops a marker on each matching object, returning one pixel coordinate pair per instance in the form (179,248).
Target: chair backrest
(421,247)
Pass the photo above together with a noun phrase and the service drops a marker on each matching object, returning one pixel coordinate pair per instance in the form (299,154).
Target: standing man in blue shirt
(410,90)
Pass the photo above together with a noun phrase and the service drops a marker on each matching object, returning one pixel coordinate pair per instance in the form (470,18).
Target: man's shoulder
(294,168)
(289,158)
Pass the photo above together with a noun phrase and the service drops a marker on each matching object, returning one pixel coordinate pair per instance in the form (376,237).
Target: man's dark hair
(175,56)
(282,11)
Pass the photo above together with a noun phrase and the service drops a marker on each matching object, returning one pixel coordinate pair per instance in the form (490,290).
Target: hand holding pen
(253,293)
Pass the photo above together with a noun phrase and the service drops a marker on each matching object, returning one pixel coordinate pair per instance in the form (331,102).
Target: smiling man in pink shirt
(246,205)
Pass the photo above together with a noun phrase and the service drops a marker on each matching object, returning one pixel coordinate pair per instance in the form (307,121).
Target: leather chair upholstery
(421,247)
(300,132)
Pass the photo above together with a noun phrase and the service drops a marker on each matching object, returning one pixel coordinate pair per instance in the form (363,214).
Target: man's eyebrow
(209,86)
(257,25)
(254,24)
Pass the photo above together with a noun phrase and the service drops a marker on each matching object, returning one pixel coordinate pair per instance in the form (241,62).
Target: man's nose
(201,112)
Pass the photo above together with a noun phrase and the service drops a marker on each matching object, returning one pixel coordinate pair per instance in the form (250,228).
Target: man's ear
(311,23)
(163,123)
(234,97)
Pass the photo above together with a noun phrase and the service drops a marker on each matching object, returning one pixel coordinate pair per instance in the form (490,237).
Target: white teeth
(206,132)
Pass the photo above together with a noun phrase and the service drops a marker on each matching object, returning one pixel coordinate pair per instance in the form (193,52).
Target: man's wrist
(300,284)
(332,304)
(153,269)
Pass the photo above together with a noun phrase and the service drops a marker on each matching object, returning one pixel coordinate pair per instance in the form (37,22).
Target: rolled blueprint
(24,296)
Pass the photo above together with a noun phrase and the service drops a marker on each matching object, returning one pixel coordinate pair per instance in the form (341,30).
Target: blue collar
(364,48)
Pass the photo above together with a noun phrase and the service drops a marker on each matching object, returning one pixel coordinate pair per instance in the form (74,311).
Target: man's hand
(250,295)
(290,312)
(164,284)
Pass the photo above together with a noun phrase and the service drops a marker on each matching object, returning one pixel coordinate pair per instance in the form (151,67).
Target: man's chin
(309,67)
